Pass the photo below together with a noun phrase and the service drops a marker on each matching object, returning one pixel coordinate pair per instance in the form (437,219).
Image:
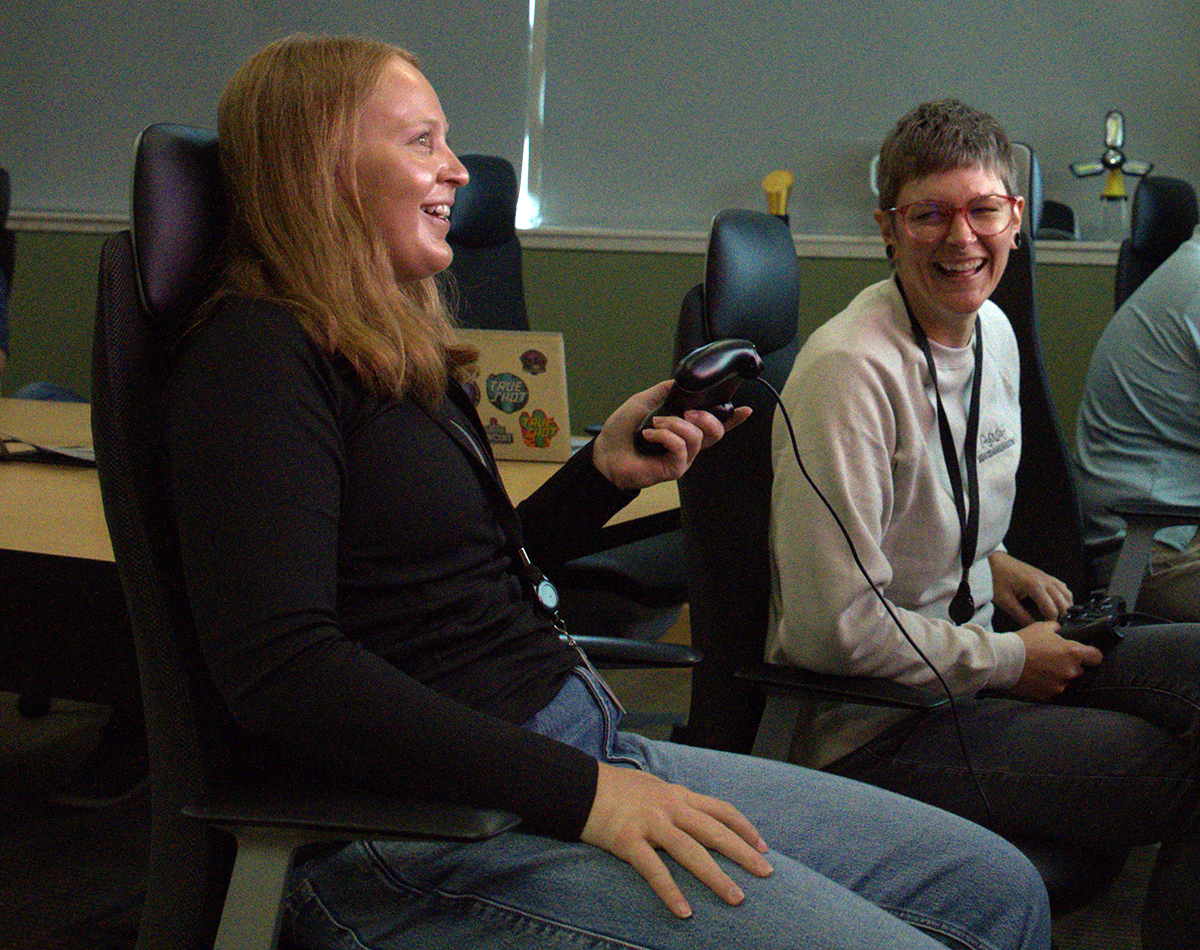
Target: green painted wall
(52,309)
(617,313)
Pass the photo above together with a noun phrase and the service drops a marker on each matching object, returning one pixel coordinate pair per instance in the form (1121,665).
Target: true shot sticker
(507,392)
(537,429)
(521,371)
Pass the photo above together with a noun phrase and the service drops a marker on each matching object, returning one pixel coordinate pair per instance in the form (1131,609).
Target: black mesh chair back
(1047,524)
(485,282)
(189,862)
(1163,216)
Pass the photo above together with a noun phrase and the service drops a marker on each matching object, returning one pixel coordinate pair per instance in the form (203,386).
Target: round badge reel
(547,595)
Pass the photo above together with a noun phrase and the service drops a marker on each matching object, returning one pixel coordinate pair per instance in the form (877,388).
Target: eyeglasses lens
(930,220)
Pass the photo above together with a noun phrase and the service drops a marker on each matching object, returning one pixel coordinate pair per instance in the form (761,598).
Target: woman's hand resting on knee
(635,813)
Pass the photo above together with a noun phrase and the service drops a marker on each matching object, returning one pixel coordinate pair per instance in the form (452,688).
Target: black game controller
(704,379)
(1095,621)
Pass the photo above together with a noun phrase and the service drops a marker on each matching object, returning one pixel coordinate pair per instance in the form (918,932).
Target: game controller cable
(962,744)
(707,378)
(887,606)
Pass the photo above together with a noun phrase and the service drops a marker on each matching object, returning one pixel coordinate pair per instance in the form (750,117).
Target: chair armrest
(333,814)
(622,653)
(1142,519)
(864,690)
(1146,510)
(645,528)
(649,571)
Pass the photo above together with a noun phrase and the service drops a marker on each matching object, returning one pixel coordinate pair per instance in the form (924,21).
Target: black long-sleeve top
(352,582)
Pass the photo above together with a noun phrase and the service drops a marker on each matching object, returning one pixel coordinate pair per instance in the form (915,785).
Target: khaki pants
(1172,589)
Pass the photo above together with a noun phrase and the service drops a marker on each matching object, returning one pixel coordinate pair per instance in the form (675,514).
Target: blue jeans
(855,867)
(1114,762)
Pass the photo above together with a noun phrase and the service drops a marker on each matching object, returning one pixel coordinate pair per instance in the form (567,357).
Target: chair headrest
(485,209)
(752,280)
(178,218)
(1163,217)
(5,196)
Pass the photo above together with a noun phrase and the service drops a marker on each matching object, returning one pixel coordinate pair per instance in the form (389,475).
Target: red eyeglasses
(930,220)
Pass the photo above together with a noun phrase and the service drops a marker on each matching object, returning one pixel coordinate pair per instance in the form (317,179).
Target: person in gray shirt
(1138,430)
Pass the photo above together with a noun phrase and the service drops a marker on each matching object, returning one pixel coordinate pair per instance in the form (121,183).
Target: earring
(1017,239)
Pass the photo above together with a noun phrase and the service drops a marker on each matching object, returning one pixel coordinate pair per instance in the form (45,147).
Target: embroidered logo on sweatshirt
(994,441)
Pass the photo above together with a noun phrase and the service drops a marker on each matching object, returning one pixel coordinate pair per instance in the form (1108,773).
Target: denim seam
(610,727)
(468,898)
(937,926)
(314,898)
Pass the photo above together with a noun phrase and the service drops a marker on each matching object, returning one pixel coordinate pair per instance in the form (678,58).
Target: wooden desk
(50,509)
(56,510)
(64,626)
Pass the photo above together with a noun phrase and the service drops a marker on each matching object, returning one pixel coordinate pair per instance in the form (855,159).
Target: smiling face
(406,174)
(947,281)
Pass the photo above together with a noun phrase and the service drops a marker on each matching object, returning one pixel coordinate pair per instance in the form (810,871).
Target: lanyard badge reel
(545,595)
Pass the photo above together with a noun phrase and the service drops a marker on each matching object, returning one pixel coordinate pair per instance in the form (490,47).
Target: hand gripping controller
(704,379)
(1095,621)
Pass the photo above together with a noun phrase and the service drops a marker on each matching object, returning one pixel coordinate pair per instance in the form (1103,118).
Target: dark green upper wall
(616,310)
(52,309)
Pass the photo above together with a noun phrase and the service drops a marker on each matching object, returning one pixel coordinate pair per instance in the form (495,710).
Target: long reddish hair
(287,128)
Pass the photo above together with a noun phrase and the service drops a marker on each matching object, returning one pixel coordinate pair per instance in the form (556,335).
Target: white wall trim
(837,247)
(1077,252)
(685,242)
(67,222)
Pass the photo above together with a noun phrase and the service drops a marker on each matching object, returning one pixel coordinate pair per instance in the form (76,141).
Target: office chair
(1163,216)
(739,703)
(635,588)
(750,291)
(219,851)
(1057,222)
(1047,526)
(486,285)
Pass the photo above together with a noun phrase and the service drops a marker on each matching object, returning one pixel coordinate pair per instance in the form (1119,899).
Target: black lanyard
(540,588)
(543,592)
(962,606)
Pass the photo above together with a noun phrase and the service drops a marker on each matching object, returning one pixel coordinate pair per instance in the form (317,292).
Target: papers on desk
(16,450)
